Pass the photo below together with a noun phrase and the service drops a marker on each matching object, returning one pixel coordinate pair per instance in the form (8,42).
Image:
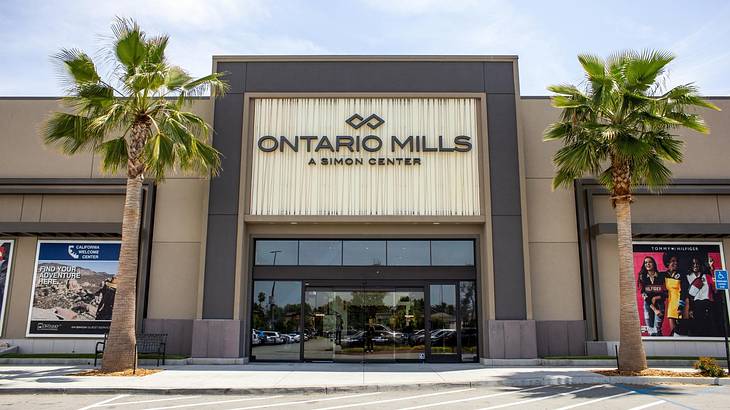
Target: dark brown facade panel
(235,76)
(377,76)
(504,161)
(228,122)
(499,78)
(220,267)
(509,268)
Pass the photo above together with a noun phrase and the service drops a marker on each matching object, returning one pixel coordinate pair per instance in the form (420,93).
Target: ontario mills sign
(394,149)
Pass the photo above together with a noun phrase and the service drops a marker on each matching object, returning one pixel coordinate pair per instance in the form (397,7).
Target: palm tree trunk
(631,350)
(120,351)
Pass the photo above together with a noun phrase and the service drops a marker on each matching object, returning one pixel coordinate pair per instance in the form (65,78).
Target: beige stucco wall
(551,223)
(663,208)
(178,223)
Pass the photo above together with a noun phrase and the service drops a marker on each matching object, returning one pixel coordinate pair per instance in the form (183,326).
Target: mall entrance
(360,314)
(387,324)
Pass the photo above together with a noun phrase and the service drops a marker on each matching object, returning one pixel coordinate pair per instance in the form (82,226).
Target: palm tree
(619,127)
(137,119)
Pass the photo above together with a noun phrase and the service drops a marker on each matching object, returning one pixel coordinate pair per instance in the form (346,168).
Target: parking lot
(594,397)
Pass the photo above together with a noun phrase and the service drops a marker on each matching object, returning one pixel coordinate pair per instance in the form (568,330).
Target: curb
(241,361)
(524,382)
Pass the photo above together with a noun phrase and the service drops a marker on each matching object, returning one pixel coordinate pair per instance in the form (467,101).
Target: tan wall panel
(705,154)
(556,289)
(86,208)
(32,207)
(723,203)
(536,115)
(173,280)
(21,279)
(550,214)
(662,209)
(702,154)
(11,208)
(179,210)
(608,284)
(22,121)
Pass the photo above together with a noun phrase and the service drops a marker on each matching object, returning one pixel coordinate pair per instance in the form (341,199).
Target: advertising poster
(74,286)
(675,289)
(6,258)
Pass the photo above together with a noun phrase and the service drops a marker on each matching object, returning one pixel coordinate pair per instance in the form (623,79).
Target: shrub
(709,368)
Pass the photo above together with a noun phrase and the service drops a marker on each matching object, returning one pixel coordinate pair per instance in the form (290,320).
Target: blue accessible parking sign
(721,280)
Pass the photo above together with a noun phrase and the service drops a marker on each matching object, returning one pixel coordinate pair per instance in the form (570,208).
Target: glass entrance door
(443,335)
(367,324)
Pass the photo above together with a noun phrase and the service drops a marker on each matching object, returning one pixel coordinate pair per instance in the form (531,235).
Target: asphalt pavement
(593,397)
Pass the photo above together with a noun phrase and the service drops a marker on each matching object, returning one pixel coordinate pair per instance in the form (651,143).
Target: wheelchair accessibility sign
(721,280)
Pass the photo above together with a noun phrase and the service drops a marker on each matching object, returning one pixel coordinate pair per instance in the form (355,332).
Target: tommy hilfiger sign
(369,143)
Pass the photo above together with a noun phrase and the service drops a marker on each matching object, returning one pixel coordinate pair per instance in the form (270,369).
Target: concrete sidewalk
(305,378)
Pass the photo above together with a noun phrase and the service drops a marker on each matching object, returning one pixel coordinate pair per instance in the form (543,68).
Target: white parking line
(215,402)
(398,399)
(147,401)
(103,401)
(646,406)
(441,403)
(542,398)
(596,400)
(292,403)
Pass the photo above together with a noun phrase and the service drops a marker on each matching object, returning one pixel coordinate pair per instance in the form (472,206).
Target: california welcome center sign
(365,156)
(73,290)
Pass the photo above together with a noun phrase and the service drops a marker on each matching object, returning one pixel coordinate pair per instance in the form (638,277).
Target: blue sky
(546,35)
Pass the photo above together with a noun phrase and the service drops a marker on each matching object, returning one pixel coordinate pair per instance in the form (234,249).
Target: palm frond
(69,131)
(114,154)
(78,65)
(129,47)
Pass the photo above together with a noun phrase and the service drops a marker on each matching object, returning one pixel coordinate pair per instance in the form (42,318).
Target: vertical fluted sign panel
(308,160)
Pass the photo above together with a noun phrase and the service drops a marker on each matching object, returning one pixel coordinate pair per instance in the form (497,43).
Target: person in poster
(701,289)
(651,285)
(676,298)
(676,295)
(74,287)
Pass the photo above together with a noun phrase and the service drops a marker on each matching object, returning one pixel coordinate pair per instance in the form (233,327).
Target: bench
(146,343)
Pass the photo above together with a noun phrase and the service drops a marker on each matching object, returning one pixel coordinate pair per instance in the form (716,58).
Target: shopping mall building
(369,208)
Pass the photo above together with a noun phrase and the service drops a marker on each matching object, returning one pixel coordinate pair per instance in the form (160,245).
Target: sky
(546,35)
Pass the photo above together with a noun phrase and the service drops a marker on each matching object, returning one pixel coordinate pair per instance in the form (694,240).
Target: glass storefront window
(278,253)
(275,333)
(319,253)
(409,253)
(443,319)
(452,253)
(468,311)
(363,253)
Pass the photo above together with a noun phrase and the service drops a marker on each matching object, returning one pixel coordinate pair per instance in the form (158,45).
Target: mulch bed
(129,372)
(649,372)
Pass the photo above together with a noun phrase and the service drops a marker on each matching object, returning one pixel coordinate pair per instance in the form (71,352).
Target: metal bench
(153,343)
(146,343)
